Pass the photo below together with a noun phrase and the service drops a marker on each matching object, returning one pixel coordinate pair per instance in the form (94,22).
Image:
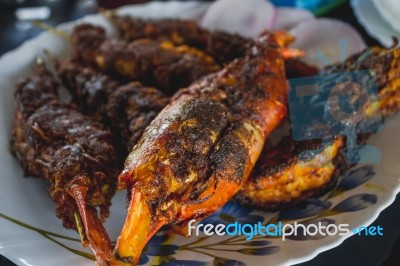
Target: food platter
(30,234)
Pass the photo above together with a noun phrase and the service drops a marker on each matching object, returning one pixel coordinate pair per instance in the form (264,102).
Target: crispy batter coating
(154,63)
(126,109)
(134,106)
(34,92)
(90,90)
(69,145)
(30,95)
(223,47)
(74,153)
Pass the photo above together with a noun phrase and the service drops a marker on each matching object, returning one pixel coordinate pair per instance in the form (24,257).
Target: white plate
(390,12)
(374,24)
(362,194)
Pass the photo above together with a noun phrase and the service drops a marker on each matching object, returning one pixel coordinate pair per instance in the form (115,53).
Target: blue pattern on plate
(184,263)
(259,251)
(312,208)
(356,203)
(233,212)
(257,243)
(356,177)
(155,247)
(218,261)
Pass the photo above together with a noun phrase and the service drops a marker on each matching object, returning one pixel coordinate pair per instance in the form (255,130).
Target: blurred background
(16,18)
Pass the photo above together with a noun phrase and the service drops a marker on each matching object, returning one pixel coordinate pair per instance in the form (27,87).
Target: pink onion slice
(245,17)
(327,41)
(287,17)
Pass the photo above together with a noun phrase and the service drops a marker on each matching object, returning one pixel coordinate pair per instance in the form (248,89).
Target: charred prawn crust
(292,172)
(159,64)
(126,109)
(384,65)
(72,152)
(295,68)
(223,47)
(199,151)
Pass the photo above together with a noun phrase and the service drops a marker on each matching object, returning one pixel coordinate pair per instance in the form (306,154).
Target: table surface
(356,250)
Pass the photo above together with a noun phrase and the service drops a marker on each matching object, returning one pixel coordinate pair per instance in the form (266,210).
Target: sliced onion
(247,18)
(327,41)
(287,18)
